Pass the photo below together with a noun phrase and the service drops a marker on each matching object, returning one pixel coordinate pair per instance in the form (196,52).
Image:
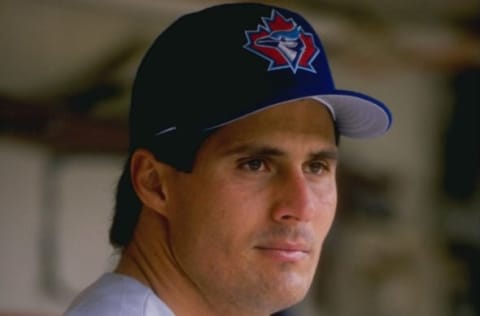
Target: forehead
(305,120)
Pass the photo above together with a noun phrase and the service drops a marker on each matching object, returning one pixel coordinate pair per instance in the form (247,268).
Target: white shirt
(118,295)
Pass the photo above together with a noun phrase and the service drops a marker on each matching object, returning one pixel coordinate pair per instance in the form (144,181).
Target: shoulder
(117,295)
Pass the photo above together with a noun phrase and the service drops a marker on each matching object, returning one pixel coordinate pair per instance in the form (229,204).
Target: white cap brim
(357,115)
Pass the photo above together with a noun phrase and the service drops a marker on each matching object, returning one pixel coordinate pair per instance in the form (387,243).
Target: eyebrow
(261,150)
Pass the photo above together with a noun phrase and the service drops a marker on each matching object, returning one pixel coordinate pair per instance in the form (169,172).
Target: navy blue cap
(222,63)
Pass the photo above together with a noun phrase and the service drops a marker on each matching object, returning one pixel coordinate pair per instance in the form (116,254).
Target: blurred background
(407,235)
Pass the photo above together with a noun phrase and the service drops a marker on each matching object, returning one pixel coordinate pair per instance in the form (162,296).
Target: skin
(241,234)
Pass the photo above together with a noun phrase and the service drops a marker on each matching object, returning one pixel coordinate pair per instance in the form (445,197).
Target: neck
(149,259)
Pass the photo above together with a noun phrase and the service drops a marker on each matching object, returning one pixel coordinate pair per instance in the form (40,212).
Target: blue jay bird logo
(283,43)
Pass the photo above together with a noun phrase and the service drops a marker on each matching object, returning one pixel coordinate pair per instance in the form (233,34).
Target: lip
(284,251)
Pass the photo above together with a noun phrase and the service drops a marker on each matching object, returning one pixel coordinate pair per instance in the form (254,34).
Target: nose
(294,199)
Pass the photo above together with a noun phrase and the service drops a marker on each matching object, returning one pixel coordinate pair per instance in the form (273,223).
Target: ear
(149,180)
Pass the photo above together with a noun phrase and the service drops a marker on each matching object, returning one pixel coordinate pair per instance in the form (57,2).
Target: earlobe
(148,180)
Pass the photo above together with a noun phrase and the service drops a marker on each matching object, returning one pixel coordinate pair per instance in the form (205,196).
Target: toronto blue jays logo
(283,43)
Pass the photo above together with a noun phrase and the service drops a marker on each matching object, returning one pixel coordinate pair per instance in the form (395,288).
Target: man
(229,190)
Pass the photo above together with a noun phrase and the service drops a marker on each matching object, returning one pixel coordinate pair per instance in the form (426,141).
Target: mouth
(284,252)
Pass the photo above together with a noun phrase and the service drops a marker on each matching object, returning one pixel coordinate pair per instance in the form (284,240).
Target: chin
(290,295)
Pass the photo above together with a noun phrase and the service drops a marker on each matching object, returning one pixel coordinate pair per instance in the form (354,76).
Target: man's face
(247,225)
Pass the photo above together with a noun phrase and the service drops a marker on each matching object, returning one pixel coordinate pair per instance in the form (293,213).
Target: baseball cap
(222,63)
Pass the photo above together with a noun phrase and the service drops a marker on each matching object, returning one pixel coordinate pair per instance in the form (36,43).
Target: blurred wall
(54,219)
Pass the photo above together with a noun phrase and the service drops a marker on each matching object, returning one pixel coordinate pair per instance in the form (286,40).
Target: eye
(253,165)
(316,167)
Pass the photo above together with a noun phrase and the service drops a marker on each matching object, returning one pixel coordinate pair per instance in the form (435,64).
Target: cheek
(210,218)
(212,237)
(326,208)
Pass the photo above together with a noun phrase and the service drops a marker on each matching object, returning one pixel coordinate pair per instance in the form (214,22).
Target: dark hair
(127,210)
(128,205)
